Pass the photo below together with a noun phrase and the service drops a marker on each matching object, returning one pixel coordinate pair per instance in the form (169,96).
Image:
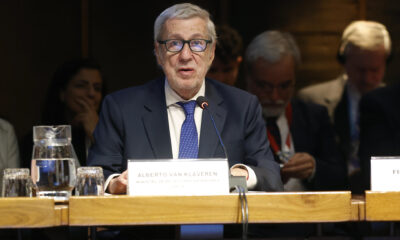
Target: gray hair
(272,46)
(367,35)
(183,11)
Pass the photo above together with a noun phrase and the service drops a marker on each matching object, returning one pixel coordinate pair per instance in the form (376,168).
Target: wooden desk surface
(29,213)
(382,206)
(263,208)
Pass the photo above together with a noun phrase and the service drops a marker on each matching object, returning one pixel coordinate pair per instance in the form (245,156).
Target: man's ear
(157,53)
(212,55)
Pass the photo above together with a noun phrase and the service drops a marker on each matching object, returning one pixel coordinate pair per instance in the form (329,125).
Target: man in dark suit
(379,127)
(300,133)
(364,49)
(145,122)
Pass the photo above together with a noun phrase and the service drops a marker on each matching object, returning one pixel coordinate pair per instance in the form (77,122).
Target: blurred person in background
(9,158)
(228,56)
(300,133)
(9,153)
(364,50)
(73,98)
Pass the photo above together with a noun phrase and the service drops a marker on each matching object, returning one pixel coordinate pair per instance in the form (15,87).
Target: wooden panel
(263,208)
(27,212)
(36,38)
(388,13)
(318,53)
(382,206)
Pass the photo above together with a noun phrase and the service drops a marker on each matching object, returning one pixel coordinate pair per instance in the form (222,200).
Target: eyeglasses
(269,88)
(176,45)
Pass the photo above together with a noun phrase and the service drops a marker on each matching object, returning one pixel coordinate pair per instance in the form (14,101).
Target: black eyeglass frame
(183,44)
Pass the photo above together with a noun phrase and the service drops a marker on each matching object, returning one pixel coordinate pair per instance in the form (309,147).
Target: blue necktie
(189,148)
(188,145)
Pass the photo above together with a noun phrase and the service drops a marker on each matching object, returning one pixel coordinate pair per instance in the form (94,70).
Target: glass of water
(17,182)
(90,181)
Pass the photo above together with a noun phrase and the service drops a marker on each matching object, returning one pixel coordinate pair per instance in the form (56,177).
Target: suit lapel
(155,121)
(209,142)
(297,128)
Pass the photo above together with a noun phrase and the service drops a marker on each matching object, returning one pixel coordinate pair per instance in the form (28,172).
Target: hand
(118,185)
(239,171)
(300,165)
(88,118)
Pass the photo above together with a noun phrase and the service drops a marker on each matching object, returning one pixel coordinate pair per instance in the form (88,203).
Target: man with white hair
(363,52)
(300,133)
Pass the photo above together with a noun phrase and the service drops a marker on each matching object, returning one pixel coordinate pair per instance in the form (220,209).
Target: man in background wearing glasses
(299,133)
(145,122)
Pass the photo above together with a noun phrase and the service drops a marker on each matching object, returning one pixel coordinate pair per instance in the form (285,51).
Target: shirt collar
(171,97)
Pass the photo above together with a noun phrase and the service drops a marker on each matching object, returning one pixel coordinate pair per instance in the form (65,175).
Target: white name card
(385,173)
(178,177)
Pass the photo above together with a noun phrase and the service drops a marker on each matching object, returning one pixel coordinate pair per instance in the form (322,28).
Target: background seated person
(73,98)
(300,133)
(363,53)
(228,56)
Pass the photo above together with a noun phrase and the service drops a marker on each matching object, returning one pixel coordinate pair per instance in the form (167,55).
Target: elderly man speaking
(148,122)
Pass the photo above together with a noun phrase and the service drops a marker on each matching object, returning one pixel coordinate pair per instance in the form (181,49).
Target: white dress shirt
(293,184)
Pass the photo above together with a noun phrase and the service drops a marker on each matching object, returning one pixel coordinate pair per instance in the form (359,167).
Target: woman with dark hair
(73,98)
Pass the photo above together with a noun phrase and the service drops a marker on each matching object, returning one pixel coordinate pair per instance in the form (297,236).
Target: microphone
(203,103)
(234,181)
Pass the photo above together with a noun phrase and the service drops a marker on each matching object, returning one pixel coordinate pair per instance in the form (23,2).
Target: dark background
(37,36)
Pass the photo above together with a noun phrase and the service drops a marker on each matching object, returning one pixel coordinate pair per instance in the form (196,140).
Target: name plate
(178,177)
(385,173)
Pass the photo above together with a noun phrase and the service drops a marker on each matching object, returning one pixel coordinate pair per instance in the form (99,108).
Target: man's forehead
(190,27)
(355,50)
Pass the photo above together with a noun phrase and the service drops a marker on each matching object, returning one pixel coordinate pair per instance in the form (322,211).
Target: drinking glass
(17,183)
(90,181)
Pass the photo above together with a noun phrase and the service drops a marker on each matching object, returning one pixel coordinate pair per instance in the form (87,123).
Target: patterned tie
(188,146)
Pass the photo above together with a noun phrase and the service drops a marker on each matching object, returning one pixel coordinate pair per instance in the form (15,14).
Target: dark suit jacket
(379,127)
(134,125)
(342,125)
(312,133)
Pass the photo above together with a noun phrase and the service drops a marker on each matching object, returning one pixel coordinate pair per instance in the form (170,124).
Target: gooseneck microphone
(203,103)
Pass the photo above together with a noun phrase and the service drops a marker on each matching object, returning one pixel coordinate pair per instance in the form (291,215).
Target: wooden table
(32,213)
(382,206)
(309,207)
(263,208)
